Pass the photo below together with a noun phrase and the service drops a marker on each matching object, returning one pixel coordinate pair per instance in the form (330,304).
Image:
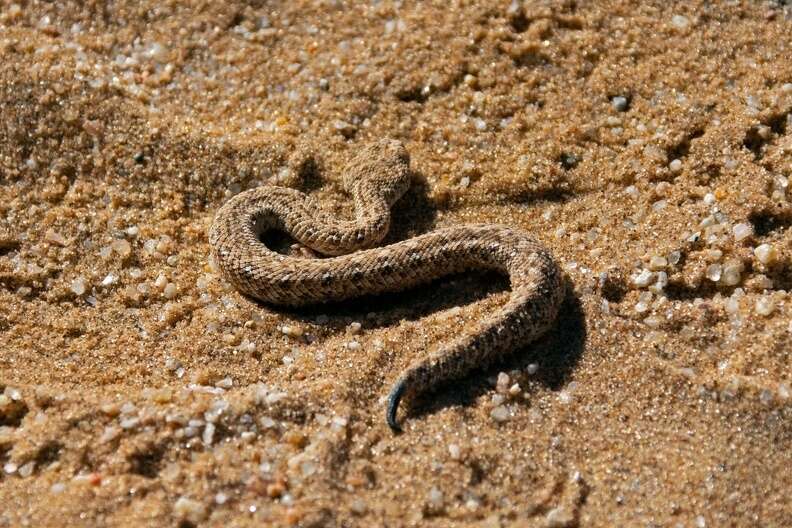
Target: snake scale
(376,178)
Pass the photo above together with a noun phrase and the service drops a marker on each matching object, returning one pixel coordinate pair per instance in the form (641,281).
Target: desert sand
(647,145)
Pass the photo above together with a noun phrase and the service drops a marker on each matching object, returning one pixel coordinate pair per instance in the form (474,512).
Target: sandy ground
(648,146)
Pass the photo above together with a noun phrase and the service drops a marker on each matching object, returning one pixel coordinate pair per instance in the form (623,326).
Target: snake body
(376,178)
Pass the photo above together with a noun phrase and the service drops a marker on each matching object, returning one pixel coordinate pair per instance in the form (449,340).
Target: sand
(648,146)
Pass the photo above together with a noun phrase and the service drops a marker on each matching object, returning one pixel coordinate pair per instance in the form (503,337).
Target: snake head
(383,168)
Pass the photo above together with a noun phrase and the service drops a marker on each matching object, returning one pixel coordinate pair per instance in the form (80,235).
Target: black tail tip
(394,398)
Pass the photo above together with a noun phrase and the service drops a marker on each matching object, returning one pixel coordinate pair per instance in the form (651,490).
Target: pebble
(208,434)
(499,413)
(189,509)
(78,286)
(54,237)
(657,263)
(714,272)
(643,279)
(766,254)
(435,497)
(27,469)
(58,487)
(675,166)
(619,103)
(765,305)
(731,275)
(454,451)
(741,232)
(121,246)
(170,291)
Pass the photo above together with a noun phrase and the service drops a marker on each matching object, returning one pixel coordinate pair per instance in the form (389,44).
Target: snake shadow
(556,352)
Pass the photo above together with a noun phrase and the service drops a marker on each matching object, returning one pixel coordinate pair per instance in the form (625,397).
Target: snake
(351,263)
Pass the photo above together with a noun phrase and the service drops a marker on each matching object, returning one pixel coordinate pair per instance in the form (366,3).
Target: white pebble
(208,434)
(714,272)
(765,305)
(741,232)
(225,383)
(161,281)
(643,279)
(502,385)
(657,263)
(766,254)
(675,166)
(709,198)
(436,497)
(27,469)
(731,273)
(190,510)
(619,103)
(455,451)
(121,246)
(680,22)
(78,286)
(499,413)
(170,291)
(355,327)
(58,487)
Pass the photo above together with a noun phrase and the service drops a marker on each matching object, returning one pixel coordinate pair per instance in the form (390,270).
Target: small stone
(435,499)
(741,232)
(499,413)
(558,517)
(657,263)
(620,103)
(766,254)
(765,305)
(78,286)
(680,21)
(502,385)
(208,434)
(354,328)
(170,291)
(714,272)
(58,487)
(121,246)
(27,469)
(454,451)
(54,237)
(643,279)
(731,275)
(225,383)
(190,510)
(709,199)
(675,166)
(161,281)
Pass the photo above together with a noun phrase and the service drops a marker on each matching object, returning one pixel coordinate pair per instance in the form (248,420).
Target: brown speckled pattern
(376,178)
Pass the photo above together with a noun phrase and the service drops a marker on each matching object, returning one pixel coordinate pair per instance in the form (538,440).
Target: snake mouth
(394,398)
